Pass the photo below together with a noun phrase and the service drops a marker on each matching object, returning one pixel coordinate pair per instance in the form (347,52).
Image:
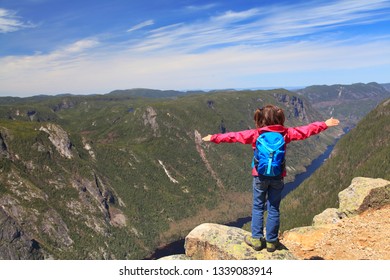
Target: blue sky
(96,46)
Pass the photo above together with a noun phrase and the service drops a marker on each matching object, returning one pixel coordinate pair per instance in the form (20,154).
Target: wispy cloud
(253,47)
(141,25)
(10,22)
(304,19)
(80,46)
(201,7)
(259,26)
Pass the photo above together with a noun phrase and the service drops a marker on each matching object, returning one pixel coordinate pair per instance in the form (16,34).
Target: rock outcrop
(358,229)
(149,118)
(216,242)
(295,106)
(3,147)
(362,194)
(324,240)
(14,243)
(59,138)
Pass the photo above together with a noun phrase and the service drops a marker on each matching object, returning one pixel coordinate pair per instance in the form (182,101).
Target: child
(268,188)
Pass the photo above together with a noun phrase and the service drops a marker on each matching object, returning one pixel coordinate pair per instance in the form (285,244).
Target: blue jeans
(266,191)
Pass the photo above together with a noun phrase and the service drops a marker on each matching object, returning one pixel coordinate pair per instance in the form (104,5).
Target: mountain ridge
(349,103)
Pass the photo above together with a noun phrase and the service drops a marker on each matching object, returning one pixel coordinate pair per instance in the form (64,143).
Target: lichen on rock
(218,242)
(364,193)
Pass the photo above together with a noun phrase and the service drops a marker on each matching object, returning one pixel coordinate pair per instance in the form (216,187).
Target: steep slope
(114,176)
(349,103)
(364,151)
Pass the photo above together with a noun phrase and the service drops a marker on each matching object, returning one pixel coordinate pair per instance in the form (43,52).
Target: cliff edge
(358,229)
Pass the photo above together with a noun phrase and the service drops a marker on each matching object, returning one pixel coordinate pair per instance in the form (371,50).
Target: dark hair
(269,115)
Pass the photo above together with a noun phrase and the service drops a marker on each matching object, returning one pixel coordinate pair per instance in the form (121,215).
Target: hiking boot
(256,243)
(271,246)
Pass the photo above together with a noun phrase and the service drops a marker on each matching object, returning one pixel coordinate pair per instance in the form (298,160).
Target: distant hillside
(386,86)
(150,93)
(363,152)
(349,103)
(114,176)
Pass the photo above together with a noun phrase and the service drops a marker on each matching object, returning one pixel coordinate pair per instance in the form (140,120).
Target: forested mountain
(114,176)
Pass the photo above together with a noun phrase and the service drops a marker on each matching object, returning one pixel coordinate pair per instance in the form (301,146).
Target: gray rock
(175,258)
(364,193)
(329,216)
(59,138)
(218,242)
(14,243)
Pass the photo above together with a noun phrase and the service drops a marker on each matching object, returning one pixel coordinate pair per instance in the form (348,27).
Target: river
(177,247)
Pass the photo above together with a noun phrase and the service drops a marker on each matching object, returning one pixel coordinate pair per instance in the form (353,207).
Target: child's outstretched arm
(303,132)
(332,122)
(243,137)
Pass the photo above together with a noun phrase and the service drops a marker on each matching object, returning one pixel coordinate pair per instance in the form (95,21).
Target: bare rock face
(295,106)
(55,228)
(3,147)
(218,242)
(59,139)
(149,118)
(14,243)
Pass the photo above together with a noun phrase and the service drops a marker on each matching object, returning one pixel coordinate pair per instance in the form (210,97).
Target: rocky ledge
(358,229)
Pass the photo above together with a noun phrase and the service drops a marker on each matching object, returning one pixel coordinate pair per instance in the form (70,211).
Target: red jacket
(289,133)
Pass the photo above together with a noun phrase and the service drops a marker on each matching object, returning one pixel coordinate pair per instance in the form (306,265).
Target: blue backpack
(269,154)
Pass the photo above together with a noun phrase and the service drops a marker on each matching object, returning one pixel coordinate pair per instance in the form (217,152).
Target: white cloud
(141,25)
(231,16)
(10,22)
(80,46)
(201,7)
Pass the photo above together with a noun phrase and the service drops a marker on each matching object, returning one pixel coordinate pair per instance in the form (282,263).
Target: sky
(97,46)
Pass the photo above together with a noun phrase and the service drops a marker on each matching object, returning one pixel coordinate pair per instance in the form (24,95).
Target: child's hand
(332,122)
(207,138)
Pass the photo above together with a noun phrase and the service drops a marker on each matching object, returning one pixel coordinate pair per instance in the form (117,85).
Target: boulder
(218,242)
(329,216)
(364,193)
(326,233)
(179,257)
